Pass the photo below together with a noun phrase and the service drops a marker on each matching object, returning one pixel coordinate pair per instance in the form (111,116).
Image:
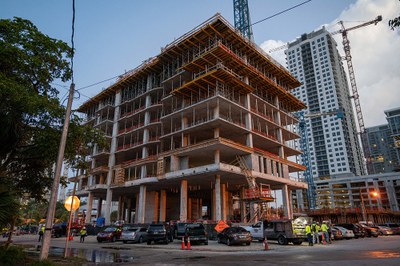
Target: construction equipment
(242,18)
(346,47)
(305,156)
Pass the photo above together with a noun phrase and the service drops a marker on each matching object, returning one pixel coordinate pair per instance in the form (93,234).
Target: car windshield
(110,229)
(156,227)
(129,229)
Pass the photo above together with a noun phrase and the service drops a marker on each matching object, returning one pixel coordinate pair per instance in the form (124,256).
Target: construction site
(202,131)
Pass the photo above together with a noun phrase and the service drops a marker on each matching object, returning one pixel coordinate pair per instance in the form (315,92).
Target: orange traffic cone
(183,243)
(265,244)
(188,245)
(71,237)
(323,238)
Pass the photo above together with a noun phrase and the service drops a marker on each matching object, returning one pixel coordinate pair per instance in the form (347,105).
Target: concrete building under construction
(204,130)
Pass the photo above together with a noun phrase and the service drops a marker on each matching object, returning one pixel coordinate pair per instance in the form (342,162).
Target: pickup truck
(284,231)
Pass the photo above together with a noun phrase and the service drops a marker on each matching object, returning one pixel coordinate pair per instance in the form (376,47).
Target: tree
(31,115)
(394,23)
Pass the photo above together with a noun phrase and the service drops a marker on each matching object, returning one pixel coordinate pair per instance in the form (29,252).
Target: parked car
(179,230)
(134,234)
(337,234)
(111,233)
(346,233)
(59,230)
(370,232)
(159,232)
(357,230)
(395,227)
(235,235)
(383,230)
(197,233)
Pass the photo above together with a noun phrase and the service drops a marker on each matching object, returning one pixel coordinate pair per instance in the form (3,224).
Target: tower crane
(355,96)
(242,18)
(305,156)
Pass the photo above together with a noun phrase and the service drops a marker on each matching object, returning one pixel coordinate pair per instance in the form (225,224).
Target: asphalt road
(368,251)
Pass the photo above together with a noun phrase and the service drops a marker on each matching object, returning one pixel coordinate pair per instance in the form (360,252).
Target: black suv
(358,232)
(197,233)
(59,230)
(159,232)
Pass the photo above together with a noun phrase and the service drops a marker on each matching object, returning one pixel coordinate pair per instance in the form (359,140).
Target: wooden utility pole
(44,251)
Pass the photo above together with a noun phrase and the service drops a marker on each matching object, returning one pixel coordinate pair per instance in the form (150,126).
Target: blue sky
(112,37)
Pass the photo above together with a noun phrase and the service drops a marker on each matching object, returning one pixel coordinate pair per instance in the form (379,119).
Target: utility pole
(44,252)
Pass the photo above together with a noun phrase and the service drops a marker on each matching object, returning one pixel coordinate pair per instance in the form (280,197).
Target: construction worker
(83,234)
(309,235)
(325,229)
(41,233)
(314,231)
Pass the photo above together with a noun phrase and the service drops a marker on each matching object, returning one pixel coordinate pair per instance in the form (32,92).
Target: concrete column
(216,132)
(129,211)
(217,195)
(189,209)
(119,215)
(140,211)
(156,206)
(212,211)
(163,205)
(183,201)
(107,211)
(111,160)
(217,154)
(286,202)
(89,208)
(224,203)
(99,207)
(174,163)
(243,216)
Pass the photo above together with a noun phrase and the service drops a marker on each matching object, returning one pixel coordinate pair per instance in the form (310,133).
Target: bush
(46,262)
(11,255)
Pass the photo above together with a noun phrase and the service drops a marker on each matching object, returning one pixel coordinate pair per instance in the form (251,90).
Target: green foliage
(114,216)
(31,115)
(9,206)
(394,23)
(11,255)
(45,262)
(61,214)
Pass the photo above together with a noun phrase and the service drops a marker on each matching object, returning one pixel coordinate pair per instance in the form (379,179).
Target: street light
(363,210)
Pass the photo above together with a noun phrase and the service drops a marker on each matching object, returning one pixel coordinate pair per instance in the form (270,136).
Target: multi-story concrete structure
(191,128)
(334,146)
(342,198)
(393,118)
(382,151)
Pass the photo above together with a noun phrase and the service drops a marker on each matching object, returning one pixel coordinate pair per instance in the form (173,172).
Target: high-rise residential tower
(393,118)
(334,146)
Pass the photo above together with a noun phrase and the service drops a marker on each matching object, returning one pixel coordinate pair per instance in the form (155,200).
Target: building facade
(344,198)
(393,118)
(382,151)
(193,130)
(334,146)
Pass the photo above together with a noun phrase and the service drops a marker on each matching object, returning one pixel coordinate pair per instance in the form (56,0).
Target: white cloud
(375,51)
(278,55)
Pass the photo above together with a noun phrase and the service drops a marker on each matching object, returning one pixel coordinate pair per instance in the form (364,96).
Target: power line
(288,9)
(94,84)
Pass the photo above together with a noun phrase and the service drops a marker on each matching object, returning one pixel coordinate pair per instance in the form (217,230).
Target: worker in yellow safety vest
(309,235)
(325,231)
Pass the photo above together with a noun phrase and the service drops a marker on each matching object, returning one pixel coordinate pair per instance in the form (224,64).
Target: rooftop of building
(216,25)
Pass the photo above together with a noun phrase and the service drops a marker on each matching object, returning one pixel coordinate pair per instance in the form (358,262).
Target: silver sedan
(134,234)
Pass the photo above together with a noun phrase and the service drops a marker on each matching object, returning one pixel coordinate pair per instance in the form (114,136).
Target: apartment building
(194,131)
(393,118)
(382,151)
(334,146)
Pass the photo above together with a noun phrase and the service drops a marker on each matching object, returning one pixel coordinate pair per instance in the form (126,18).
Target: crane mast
(355,96)
(242,18)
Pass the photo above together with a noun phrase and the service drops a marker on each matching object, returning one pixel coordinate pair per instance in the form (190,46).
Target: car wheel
(148,242)
(282,240)
(297,242)
(140,239)
(228,242)
(206,243)
(219,240)
(124,241)
(99,240)
(113,239)
(248,244)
